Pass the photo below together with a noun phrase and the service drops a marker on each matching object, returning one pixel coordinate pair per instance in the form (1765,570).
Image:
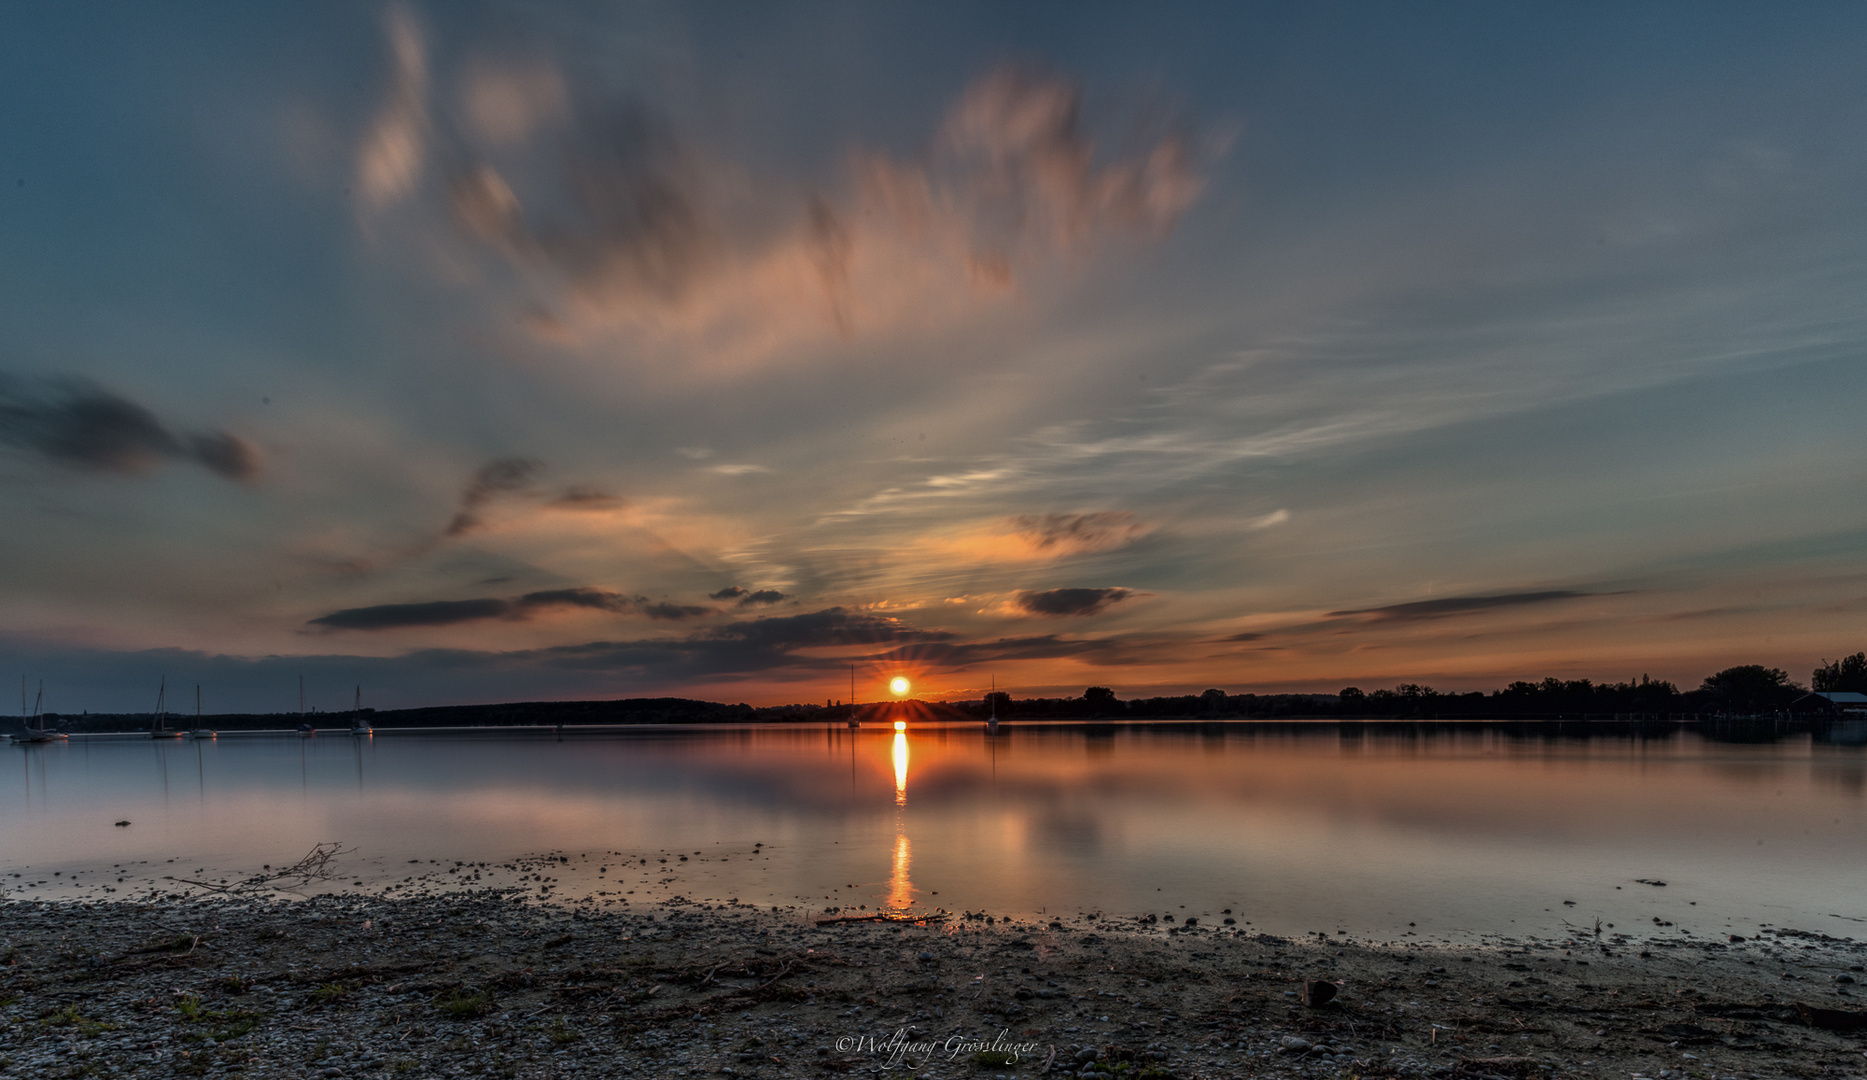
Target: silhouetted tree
(1100,699)
(1847,673)
(1751,688)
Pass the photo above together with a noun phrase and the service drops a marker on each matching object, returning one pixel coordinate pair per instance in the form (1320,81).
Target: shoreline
(491,983)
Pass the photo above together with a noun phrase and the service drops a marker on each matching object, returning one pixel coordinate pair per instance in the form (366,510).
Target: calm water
(1451,834)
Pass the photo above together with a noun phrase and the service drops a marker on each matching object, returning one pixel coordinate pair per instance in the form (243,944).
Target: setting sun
(898,685)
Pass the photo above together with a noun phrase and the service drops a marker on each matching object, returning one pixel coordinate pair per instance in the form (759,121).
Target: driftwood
(315,866)
(884,917)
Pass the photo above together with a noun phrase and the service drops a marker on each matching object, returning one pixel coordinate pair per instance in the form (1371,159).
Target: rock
(1831,1019)
(1317,992)
(1290,1044)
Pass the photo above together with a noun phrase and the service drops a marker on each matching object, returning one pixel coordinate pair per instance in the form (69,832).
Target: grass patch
(561,1032)
(63,1017)
(217,1024)
(463,1006)
(329,994)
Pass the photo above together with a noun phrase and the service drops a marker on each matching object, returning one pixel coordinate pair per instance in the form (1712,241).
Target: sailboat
(853,722)
(160,729)
(358,725)
(305,730)
(199,732)
(35,725)
(991,722)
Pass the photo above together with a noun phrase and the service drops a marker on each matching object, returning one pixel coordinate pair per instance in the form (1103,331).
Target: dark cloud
(756,645)
(1458,605)
(749,598)
(228,455)
(1246,636)
(493,479)
(431,613)
(586,498)
(75,423)
(1058,602)
(584,597)
(450,612)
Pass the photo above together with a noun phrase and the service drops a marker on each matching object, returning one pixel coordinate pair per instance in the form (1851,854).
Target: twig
(315,866)
(882,917)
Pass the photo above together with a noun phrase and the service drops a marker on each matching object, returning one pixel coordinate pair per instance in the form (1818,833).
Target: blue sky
(524,351)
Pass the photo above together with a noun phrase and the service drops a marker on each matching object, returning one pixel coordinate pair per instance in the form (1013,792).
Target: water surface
(1441,832)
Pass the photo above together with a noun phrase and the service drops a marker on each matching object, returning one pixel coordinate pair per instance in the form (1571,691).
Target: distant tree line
(1744,690)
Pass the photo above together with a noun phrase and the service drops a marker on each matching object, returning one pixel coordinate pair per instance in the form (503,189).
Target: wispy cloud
(1417,610)
(620,220)
(493,479)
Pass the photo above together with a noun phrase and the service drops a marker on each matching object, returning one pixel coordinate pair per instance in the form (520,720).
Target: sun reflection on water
(901,768)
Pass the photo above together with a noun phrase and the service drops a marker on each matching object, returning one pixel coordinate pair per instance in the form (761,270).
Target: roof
(1842,697)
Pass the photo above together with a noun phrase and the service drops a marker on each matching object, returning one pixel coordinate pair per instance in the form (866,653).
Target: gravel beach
(496,982)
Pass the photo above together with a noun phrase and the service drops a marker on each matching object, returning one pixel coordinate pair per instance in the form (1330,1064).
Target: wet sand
(494,982)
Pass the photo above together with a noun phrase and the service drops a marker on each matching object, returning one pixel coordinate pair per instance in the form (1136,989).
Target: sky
(521,351)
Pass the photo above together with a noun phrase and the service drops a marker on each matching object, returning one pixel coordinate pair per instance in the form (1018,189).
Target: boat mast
(162,708)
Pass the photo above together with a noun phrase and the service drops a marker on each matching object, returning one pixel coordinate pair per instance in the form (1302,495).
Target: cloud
(582,596)
(1060,602)
(1079,532)
(391,157)
(748,598)
(621,220)
(493,479)
(398,616)
(76,423)
(586,498)
(758,645)
(1107,651)
(1458,605)
(453,612)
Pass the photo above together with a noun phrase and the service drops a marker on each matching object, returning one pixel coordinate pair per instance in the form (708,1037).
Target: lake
(1445,832)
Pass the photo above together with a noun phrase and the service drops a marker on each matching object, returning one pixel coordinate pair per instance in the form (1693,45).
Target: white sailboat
(199,732)
(358,725)
(160,729)
(991,722)
(305,730)
(35,724)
